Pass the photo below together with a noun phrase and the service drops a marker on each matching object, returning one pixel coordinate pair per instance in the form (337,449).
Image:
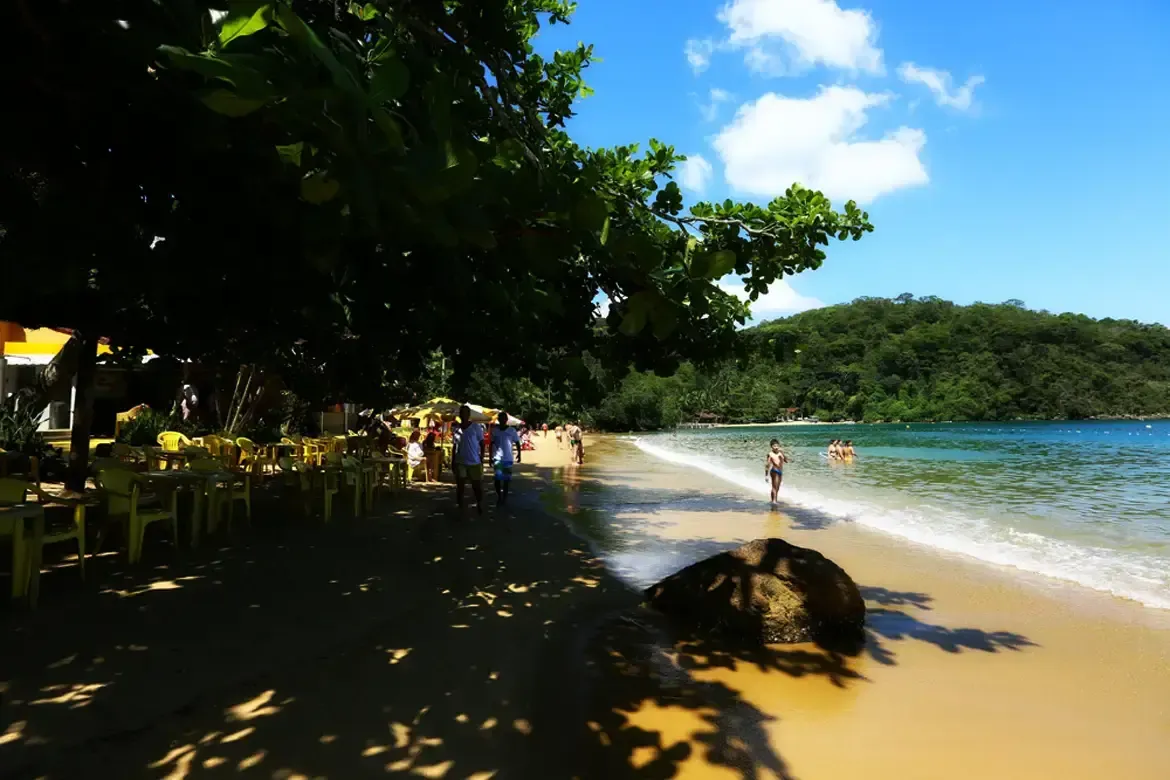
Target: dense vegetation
(912,359)
(331,192)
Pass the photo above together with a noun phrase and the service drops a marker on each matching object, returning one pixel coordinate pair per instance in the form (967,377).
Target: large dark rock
(767,591)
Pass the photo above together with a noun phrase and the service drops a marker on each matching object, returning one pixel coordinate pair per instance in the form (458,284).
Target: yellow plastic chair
(124,417)
(223,450)
(15,491)
(233,492)
(252,459)
(173,441)
(124,496)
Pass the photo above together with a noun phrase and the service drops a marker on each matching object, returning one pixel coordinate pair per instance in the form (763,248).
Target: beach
(413,643)
(969,671)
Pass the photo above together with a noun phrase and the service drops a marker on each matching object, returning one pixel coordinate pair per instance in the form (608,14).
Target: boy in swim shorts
(774,467)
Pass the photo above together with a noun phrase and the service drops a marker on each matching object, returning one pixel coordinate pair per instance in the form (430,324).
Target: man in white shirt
(469,458)
(505,442)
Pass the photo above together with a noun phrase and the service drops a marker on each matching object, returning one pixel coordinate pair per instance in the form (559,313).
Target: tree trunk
(60,371)
(82,412)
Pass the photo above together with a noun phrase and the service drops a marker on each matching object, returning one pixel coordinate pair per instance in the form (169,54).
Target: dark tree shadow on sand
(404,643)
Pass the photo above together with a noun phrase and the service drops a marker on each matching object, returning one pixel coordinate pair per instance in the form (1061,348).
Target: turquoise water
(1085,502)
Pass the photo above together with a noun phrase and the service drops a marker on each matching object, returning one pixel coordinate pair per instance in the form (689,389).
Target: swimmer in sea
(834,452)
(849,452)
(774,467)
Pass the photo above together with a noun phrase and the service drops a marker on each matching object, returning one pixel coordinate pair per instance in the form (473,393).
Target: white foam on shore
(1142,578)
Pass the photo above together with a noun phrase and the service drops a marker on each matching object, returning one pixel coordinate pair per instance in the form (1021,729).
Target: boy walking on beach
(469,458)
(505,442)
(576,444)
(774,467)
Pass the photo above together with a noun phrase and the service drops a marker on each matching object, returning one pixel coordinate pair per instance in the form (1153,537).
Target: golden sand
(971,671)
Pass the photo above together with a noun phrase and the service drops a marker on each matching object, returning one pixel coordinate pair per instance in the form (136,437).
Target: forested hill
(916,359)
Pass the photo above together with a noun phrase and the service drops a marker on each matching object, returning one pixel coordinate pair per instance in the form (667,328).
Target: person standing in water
(849,452)
(774,467)
(505,442)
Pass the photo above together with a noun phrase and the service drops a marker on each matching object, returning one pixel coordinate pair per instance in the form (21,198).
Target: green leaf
(637,311)
(664,318)
(722,263)
(364,12)
(303,34)
(318,189)
(389,129)
(701,265)
(291,153)
(605,231)
(389,82)
(460,168)
(244,19)
(228,103)
(591,212)
(437,94)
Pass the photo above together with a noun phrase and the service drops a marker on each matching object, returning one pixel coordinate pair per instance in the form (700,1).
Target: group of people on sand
(576,438)
(470,442)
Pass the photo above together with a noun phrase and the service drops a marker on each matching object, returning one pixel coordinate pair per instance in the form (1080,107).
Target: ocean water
(1084,502)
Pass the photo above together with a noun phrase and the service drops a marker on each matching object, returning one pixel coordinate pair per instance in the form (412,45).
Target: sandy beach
(969,671)
(412,642)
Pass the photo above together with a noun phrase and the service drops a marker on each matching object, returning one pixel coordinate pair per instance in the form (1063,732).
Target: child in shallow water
(774,467)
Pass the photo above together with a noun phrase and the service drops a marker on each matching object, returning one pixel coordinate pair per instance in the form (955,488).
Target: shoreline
(1065,682)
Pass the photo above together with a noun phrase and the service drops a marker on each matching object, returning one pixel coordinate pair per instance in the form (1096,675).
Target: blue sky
(1003,149)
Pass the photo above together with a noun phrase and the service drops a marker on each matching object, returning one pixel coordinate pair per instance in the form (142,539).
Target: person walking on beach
(576,444)
(469,458)
(774,467)
(544,430)
(560,434)
(505,442)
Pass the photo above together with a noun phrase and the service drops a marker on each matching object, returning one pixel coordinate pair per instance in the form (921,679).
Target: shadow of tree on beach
(637,661)
(407,642)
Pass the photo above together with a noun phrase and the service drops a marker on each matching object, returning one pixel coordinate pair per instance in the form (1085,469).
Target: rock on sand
(767,591)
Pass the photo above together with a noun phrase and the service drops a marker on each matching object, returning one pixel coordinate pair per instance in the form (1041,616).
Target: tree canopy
(335,191)
(910,359)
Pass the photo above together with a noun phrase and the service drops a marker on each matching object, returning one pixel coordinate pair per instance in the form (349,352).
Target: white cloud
(699,54)
(939,82)
(778,140)
(710,109)
(780,299)
(694,173)
(784,35)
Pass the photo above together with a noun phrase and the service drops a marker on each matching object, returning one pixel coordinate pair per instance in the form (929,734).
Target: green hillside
(913,359)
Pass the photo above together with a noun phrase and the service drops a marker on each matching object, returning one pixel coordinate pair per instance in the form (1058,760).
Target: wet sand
(969,671)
